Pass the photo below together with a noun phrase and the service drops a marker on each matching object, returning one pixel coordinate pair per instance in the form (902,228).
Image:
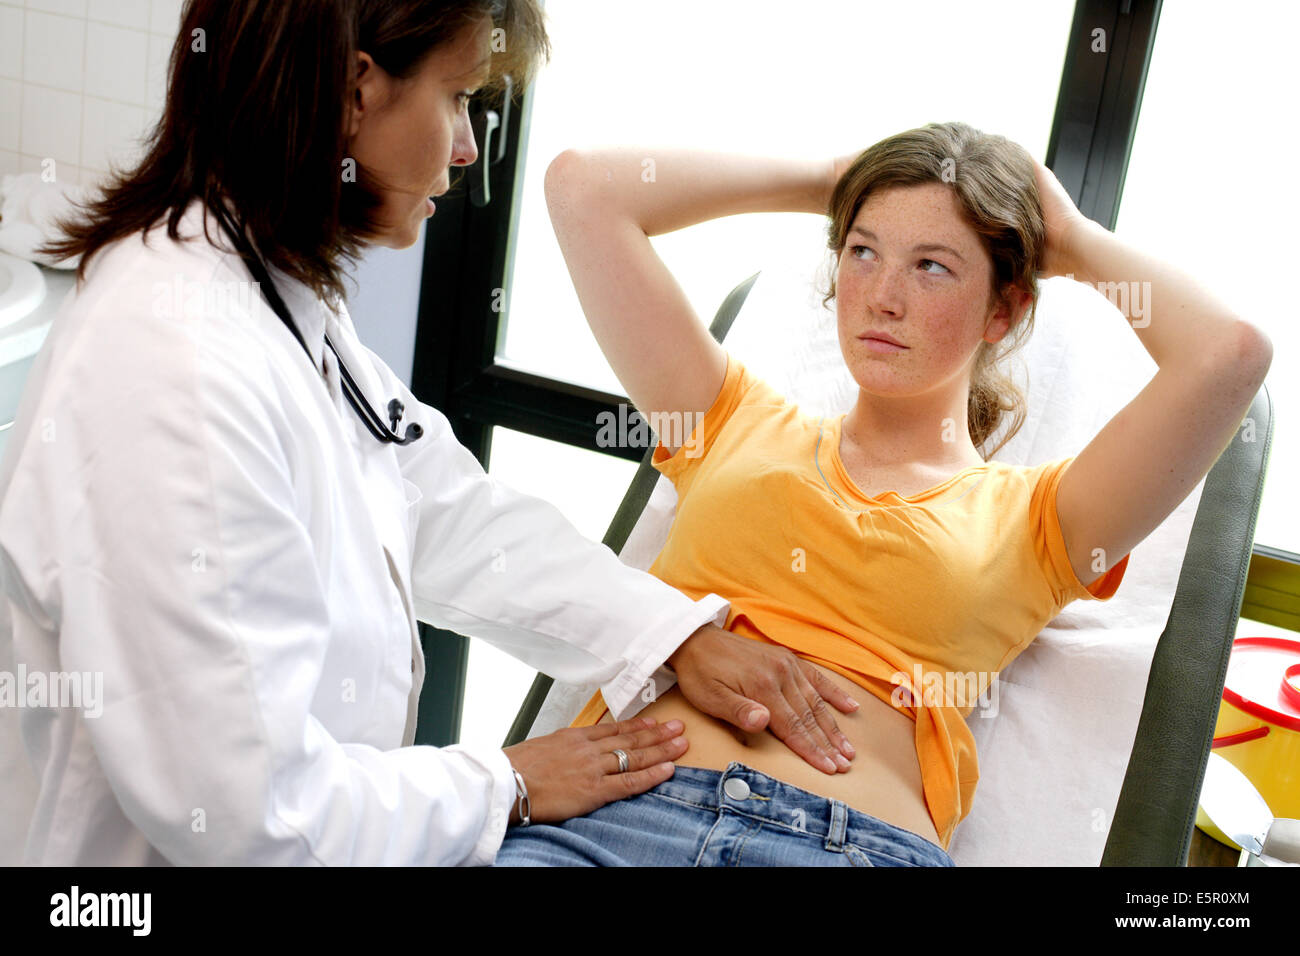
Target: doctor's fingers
(803,720)
(644,748)
(597,731)
(819,691)
(634,736)
(639,734)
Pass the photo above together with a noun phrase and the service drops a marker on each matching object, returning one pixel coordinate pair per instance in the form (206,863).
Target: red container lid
(1264,679)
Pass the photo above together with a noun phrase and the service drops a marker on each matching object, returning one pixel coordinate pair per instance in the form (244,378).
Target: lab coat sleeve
(493,563)
(185,577)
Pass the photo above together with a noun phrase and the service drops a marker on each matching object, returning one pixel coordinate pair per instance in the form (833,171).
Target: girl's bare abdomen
(884,780)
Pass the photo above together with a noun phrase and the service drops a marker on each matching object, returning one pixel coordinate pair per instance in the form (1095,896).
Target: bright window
(813,80)
(1209,188)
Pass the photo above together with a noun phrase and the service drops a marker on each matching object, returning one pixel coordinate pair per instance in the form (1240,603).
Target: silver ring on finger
(623,763)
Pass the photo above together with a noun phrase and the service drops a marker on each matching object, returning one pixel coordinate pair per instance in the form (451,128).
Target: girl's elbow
(563,177)
(1256,350)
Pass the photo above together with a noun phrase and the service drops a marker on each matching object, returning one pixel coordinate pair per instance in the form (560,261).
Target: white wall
(385,305)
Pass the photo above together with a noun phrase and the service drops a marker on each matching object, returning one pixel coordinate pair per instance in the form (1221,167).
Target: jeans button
(736,788)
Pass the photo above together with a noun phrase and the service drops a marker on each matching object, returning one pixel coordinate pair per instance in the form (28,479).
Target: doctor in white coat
(213,568)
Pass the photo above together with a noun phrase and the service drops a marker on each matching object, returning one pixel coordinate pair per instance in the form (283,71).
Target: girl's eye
(856,251)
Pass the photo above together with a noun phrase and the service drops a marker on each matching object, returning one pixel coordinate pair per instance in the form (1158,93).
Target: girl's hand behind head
(1060,217)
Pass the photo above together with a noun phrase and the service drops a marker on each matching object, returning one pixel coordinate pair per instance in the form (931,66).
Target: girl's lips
(883,337)
(878,345)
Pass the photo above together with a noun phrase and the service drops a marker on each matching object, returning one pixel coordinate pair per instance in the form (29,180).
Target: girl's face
(911,267)
(409,134)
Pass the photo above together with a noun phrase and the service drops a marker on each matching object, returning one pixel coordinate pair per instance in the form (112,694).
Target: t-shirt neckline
(849,486)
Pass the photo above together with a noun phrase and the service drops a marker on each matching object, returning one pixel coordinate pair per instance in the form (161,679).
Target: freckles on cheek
(950,314)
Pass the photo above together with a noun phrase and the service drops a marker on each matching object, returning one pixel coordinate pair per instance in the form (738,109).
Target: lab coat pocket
(413,498)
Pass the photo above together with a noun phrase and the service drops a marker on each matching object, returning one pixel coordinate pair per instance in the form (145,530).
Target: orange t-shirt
(935,593)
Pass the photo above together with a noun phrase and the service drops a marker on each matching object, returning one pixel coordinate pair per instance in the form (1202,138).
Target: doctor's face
(410,133)
(894,278)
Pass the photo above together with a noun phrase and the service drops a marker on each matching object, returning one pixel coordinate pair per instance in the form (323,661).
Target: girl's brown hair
(993,180)
(255,111)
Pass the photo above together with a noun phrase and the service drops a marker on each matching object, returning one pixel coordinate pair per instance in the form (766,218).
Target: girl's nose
(884,292)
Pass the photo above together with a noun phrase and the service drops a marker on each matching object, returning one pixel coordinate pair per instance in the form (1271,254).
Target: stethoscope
(374,424)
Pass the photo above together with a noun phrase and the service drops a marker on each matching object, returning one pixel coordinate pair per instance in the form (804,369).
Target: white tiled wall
(81,82)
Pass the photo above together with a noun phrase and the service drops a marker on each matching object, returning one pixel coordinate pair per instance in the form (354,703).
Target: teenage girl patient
(884,547)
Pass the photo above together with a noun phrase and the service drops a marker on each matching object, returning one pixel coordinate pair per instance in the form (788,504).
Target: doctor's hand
(574,771)
(755,686)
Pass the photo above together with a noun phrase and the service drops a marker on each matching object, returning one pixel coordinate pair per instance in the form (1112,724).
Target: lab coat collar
(307,311)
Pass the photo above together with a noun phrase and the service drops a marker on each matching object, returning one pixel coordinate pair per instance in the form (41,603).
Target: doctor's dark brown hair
(993,181)
(255,110)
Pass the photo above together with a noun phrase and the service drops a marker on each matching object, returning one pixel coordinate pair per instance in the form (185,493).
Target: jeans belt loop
(838,828)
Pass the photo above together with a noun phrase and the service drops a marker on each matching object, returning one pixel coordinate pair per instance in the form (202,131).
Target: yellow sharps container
(1258,730)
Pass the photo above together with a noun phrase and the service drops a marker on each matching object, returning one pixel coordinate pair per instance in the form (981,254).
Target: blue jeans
(736,817)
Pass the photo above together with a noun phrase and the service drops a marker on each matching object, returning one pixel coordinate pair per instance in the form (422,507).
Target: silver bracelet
(521,798)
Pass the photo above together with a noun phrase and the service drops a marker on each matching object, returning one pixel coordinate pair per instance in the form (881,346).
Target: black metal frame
(1099,101)
(468,258)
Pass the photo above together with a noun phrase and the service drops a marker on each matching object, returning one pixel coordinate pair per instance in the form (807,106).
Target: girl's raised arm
(605,205)
(1158,447)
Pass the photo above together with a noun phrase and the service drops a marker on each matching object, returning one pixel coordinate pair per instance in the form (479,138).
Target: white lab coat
(189,509)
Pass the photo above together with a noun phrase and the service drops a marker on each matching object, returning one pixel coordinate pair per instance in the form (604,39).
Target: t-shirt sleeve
(740,387)
(1049,545)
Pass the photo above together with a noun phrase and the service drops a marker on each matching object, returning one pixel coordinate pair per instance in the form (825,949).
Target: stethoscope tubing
(356,398)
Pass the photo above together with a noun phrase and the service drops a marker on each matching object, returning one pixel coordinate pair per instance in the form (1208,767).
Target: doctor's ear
(369,90)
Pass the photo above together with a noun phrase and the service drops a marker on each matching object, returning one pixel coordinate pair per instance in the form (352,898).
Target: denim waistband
(744,790)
